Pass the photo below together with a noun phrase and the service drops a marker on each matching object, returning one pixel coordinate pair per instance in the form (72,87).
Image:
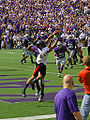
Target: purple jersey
(70,44)
(0,32)
(36,52)
(60,52)
(65,104)
(25,42)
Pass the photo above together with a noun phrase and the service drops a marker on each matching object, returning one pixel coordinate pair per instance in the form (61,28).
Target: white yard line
(39,117)
(32,117)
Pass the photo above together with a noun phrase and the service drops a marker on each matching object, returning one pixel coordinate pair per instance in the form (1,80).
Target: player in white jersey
(82,37)
(79,44)
(41,60)
(89,45)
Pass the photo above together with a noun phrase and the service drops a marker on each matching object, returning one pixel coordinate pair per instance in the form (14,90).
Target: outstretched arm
(48,39)
(30,48)
(51,35)
(55,55)
(52,47)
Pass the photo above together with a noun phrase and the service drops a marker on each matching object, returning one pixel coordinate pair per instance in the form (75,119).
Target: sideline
(32,117)
(39,117)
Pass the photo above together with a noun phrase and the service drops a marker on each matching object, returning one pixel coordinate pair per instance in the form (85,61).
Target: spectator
(84,78)
(65,101)
(21,16)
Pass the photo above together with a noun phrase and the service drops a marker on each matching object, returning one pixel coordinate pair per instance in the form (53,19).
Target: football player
(70,43)
(41,60)
(59,54)
(26,53)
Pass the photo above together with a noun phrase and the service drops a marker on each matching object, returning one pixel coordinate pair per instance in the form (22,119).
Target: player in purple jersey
(59,54)
(70,43)
(26,53)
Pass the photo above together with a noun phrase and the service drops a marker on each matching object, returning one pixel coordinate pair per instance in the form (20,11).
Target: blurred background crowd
(20,19)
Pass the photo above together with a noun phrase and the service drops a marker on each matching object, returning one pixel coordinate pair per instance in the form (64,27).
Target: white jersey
(82,36)
(15,38)
(78,42)
(64,35)
(88,41)
(43,54)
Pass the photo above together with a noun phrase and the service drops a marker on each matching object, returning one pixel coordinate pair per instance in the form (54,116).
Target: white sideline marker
(33,117)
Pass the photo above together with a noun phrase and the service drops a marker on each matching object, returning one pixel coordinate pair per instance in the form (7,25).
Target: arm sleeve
(72,103)
(55,108)
(79,78)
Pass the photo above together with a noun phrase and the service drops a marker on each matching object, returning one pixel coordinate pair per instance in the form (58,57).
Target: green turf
(55,119)
(10,65)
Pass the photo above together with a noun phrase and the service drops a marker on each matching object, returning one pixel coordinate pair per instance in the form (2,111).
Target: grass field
(13,76)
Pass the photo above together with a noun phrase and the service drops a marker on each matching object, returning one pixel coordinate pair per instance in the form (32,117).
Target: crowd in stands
(21,17)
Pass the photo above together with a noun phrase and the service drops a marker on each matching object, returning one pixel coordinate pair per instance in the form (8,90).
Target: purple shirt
(65,104)
(36,52)
(60,52)
(25,42)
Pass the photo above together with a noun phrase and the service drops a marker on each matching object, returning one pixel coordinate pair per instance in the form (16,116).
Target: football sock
(38,87)
(42,93)
(61,69)
(26,86)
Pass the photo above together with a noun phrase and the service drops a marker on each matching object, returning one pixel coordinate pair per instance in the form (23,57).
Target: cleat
(37,92)
(41,98)
(59,74)
(71,66)
(82,64)
(74,63)
(24,61)
(66,67)
(23,94)
(21,61)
